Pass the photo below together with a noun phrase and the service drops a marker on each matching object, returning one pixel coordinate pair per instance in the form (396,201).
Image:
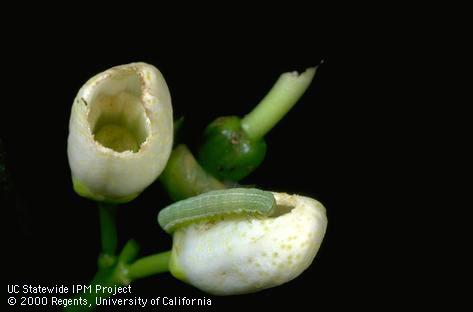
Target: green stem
(108,230)
(123,273)
(146,266)
(129,252)
(280,99)
(183,177)
(105,278)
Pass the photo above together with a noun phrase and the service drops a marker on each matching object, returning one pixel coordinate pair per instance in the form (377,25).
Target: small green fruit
(227,152)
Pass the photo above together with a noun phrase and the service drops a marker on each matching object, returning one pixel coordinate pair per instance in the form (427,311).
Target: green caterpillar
(216,203)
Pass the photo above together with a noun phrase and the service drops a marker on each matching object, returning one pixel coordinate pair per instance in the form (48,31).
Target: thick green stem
(183,177)
(149,265)
(280,99)
(108,230)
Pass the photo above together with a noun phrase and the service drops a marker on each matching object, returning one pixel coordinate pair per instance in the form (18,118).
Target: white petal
(242,254)
(133,103)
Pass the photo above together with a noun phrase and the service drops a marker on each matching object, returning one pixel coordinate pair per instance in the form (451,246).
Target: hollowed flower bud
(243,254)
(120,132)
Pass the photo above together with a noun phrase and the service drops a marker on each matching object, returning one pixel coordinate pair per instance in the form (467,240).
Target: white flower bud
(120,132)
(242,254)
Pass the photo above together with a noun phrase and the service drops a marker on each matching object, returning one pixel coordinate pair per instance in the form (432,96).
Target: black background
(328,147)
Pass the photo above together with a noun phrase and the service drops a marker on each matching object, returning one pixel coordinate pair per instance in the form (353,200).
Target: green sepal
(82,190)
(174,267)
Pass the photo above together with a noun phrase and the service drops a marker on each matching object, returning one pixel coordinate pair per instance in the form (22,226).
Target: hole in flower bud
(117,117)
(281,210)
